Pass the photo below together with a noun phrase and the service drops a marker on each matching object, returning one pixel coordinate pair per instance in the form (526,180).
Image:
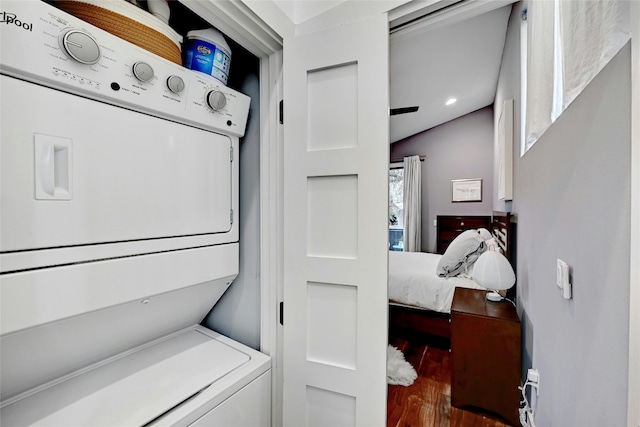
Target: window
(396,212)
(523,82)
(567,44)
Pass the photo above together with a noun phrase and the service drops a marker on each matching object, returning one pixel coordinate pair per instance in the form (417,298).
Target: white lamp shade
(493,271)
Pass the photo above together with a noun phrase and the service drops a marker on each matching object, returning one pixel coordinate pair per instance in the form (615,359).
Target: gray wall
(461,148)
(509,88)
(237,314)
(572,201)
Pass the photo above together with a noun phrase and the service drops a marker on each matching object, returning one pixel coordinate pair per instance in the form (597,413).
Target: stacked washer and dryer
(118,233)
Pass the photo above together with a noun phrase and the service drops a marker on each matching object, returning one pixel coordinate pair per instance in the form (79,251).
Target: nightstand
(485,354)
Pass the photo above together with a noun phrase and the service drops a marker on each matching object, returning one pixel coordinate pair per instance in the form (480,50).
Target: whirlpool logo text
(12,19)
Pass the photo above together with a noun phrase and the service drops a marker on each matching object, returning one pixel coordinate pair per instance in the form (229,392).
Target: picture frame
(466,190)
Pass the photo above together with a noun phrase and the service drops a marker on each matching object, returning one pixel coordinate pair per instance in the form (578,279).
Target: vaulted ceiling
(430,66)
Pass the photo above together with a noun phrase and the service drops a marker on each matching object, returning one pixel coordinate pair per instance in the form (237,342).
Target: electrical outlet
(527,411)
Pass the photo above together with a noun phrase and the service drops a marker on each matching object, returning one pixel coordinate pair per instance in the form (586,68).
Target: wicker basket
(125,28)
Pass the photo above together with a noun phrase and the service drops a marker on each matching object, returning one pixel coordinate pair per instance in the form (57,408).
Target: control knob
(80,46)
(143,71)
(216,100)
(175,84)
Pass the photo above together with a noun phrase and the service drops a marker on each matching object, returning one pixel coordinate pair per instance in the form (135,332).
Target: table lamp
(493,271)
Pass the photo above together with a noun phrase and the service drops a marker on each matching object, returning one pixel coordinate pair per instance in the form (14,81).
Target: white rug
(399,371)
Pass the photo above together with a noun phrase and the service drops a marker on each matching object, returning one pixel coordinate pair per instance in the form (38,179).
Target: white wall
(302,10)
(237,314)
(295,17)
(459,149)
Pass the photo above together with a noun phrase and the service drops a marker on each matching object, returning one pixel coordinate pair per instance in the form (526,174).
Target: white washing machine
(118,233)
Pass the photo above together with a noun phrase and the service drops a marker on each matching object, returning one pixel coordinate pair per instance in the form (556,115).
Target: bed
(413,281)
(419,299)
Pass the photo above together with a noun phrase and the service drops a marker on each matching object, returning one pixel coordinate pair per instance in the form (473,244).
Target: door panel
(336,159)
(120,176)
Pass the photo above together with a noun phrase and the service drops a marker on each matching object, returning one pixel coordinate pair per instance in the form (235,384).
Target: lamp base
(494,296)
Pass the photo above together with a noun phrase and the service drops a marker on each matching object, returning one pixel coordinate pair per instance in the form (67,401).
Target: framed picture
(466,190)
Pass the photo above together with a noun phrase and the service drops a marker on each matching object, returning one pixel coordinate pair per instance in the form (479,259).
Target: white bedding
(413,281)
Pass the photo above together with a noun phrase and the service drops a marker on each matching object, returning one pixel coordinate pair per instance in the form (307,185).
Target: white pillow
(463,236)
(486,234)
(462,252)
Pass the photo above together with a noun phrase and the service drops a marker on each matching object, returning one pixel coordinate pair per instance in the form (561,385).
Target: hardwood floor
(427,402)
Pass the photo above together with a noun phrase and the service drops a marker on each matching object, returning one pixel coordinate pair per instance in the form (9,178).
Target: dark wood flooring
(427,402)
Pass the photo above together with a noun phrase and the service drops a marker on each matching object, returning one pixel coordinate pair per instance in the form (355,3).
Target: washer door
(78,172)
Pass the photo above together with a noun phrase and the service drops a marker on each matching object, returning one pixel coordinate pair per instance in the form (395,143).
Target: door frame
(633,393)
(262,36)
(240,23)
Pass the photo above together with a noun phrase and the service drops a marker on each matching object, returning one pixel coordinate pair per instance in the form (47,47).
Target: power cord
(511,301)
(526,412)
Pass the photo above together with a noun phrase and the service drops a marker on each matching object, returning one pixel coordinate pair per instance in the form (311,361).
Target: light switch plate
(562,278)
(562,273)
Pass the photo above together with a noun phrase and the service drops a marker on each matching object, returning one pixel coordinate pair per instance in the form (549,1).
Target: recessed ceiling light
(451,101)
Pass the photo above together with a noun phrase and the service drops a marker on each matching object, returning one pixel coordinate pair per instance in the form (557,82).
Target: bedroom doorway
(427,69)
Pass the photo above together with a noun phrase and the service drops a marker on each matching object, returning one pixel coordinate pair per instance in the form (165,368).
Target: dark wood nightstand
(485,354)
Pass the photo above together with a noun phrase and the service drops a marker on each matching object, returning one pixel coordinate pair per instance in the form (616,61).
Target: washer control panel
(48,46)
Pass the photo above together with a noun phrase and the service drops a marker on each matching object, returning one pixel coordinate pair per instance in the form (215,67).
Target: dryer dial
(216,100)
(80,46)
(175,84)
(143,71)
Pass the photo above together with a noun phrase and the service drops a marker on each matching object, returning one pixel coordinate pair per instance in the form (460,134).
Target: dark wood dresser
(448,227)
(485,354)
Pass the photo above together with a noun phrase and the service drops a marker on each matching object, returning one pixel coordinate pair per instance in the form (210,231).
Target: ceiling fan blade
(404,110)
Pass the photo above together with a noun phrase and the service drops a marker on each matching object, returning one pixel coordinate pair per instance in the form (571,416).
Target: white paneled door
(336,156)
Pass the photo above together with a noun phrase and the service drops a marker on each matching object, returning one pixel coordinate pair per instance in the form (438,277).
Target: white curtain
(592,32)
(540,54)
(568,44)
(412,201)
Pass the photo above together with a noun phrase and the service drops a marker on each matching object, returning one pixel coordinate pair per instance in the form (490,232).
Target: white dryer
(118,233)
